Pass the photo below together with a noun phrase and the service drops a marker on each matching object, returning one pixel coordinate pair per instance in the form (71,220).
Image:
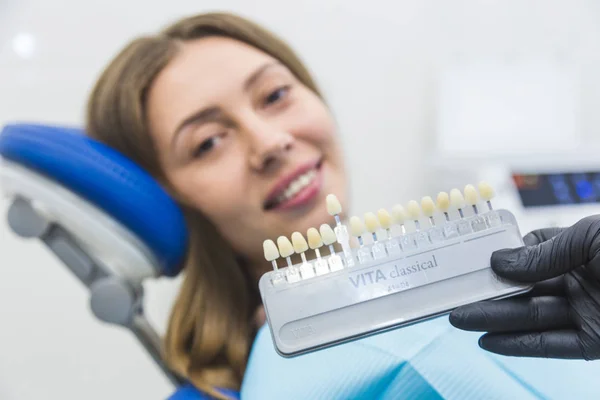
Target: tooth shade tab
(443,201)
(285,246)
(471,196)
(398,214)
(456,198)
(270,250)
(327,234)
(334,207)
(414,210)
(314,238)
(371,222)
(428,206)
(486,191)
(300,244)
(385,219)
(357,228)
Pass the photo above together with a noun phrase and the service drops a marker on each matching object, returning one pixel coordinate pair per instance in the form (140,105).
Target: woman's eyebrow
(253,78)
(214,113)
(205,115)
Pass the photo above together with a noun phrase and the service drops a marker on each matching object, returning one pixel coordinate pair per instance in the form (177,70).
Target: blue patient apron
(431,360)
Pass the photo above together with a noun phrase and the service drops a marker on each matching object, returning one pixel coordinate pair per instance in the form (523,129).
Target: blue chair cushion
(105,178)
(189,392)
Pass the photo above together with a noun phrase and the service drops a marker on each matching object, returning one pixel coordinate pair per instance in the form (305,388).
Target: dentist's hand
(560,317)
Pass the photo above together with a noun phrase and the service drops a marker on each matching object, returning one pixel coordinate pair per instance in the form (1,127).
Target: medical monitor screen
(538,190)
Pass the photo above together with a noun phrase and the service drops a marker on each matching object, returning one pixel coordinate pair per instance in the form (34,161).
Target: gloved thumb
(571,248)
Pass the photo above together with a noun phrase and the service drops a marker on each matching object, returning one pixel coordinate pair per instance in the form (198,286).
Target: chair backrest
(106,179)
(62,162)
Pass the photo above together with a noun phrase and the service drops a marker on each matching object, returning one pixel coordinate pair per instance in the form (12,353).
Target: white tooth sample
(428,206)
(456,199)
(414,212)
(471,195)
(413,209)
(398,214)
(334,207)
(300,244)
(327,234)
(371,222)
(385,218)
(270,250)
(357,228)
(443,201)
(300,247)
(285,246)
(315,242)
(486,191)
(314,238)
(443,204)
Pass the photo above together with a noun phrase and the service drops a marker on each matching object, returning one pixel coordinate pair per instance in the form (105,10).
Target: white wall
(378,62)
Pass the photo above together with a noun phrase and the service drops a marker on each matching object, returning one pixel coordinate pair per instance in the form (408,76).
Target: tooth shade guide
(464,276)
(396,231)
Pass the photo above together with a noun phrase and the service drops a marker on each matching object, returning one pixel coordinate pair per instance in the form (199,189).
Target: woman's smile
(296,189)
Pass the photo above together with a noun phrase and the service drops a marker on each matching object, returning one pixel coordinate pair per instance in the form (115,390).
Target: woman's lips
(303,196)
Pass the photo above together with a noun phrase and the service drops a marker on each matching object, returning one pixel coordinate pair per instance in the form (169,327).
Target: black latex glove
(560,316)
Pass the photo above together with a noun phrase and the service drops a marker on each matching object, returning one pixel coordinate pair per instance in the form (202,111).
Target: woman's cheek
(223,194)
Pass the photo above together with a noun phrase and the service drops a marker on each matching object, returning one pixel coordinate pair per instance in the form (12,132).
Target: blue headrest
(106,179)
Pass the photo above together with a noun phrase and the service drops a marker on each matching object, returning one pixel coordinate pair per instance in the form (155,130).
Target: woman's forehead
(215,58)
(205,72)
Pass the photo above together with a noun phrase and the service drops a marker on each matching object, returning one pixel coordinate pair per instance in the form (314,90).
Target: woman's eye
(206,146)
(277,94)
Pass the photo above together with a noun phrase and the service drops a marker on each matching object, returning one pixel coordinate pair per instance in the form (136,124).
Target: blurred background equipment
(516,123)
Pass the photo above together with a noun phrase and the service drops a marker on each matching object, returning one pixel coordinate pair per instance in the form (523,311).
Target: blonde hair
(211,326)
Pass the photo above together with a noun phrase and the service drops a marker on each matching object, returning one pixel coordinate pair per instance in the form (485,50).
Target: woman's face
(245,142)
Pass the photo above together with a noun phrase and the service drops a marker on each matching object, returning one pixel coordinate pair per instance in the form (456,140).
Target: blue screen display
(538,190)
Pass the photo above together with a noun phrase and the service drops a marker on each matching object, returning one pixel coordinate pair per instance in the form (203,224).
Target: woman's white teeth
(297,185)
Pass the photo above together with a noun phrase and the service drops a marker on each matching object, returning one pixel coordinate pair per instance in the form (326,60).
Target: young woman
(229,120)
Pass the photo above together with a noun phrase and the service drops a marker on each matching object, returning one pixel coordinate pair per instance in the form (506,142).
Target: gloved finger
(571,248)
(513,315)
(554,344)
(541,235)
(550,287)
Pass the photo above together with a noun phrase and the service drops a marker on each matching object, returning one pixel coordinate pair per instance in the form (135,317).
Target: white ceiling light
(24,45)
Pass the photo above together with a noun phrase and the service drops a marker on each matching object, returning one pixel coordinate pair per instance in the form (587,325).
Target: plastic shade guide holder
(397,275)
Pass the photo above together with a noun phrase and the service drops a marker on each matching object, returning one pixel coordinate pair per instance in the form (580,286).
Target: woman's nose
(269,147)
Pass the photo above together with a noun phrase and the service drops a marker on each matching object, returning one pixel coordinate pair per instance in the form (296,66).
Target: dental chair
(113,227)
(107,220)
